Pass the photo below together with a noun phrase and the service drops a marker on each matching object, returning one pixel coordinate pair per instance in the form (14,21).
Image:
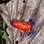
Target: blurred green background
(2,35)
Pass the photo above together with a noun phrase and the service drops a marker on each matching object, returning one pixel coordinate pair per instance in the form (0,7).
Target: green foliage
(2,31)
(1,27)
(3,36)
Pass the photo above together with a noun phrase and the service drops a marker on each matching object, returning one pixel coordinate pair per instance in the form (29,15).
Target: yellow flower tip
(12,1)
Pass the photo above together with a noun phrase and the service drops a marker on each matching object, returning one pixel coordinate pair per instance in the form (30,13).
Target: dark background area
(4,1)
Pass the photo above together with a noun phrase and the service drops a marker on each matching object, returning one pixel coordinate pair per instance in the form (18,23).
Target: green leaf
(0,25)
(2,31)
(3,36)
